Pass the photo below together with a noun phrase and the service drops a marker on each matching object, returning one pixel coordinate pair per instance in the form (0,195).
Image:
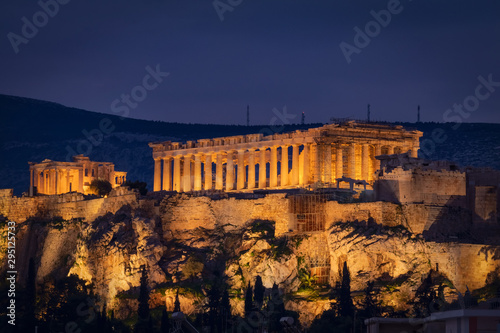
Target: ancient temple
(52,177)
(320,156)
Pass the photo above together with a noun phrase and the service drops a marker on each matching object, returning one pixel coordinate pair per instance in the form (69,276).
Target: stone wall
(68,205)
(425,186)
(184,212)
(418,218)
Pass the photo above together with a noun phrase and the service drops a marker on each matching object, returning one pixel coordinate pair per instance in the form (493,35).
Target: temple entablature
(292,159)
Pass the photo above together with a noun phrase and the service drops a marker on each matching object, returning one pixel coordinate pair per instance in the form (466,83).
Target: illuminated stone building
(316,156)
(52,177)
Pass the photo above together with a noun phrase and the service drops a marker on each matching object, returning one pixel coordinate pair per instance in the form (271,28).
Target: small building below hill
(455,321)
(54,177)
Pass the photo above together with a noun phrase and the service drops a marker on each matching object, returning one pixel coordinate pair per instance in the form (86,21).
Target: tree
(259,291)
(346,305)
(248,300)
(371,307)
(30,303)
(424,296)
(275,309)
(225,311)
(193,267)
(177,303)
(213,306)
(100,187)
(143,310)
(165,322)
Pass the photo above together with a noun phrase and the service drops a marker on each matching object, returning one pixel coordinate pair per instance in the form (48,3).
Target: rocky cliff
(186,242)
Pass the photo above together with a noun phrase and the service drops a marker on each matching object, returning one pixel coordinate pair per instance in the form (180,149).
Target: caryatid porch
(298,159)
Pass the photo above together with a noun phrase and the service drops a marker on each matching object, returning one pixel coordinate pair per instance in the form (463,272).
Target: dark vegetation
(101,187)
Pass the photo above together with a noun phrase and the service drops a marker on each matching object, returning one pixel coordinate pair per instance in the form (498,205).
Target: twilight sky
(267,54)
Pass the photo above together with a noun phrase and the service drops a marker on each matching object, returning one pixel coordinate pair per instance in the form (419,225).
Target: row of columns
(190,178)
(361,168)
(55,180)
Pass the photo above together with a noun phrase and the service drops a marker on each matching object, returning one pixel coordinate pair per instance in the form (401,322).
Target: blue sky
(267,54)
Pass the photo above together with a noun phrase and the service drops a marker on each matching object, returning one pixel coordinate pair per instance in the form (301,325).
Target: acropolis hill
(345,192)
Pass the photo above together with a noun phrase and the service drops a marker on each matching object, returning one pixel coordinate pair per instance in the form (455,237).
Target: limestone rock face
(112,250)
(183,240)
(259,260)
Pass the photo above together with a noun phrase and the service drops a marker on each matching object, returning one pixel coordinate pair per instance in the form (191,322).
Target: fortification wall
(426,186)
(183,212)
(467,265)
(418,218)
(67,206)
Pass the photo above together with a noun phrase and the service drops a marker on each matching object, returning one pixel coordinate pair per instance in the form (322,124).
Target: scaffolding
(308,212)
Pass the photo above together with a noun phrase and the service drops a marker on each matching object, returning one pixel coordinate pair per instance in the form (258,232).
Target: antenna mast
(248,115)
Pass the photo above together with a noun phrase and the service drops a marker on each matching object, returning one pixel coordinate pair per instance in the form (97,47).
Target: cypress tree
(177,303)
(143,311)
(259,290)
(371,307)
(248,300)
(225,311)
(346,305)
(31,296)
(165,322)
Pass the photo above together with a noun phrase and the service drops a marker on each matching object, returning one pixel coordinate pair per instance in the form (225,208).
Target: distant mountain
(33,130)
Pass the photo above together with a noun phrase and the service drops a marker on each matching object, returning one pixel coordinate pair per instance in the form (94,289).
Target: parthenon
(289,160)
(53,177)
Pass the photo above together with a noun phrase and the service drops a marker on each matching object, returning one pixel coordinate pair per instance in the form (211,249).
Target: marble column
(197,172)
(157,180)
(295,164)
(306,156)
(351,161)
(186,184)
(177,173)
(67,180)
(54,175)
(208,171)
(46,180)
(219,176)
(229,171)
(378,152)
(262,168)
(167,174)
(241,170)
(390,150)
(273,167)
(327,162)
(365,158)
(284,165)
(31,182)
(40,181)
(58,181)
(251,168)
(80,180)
